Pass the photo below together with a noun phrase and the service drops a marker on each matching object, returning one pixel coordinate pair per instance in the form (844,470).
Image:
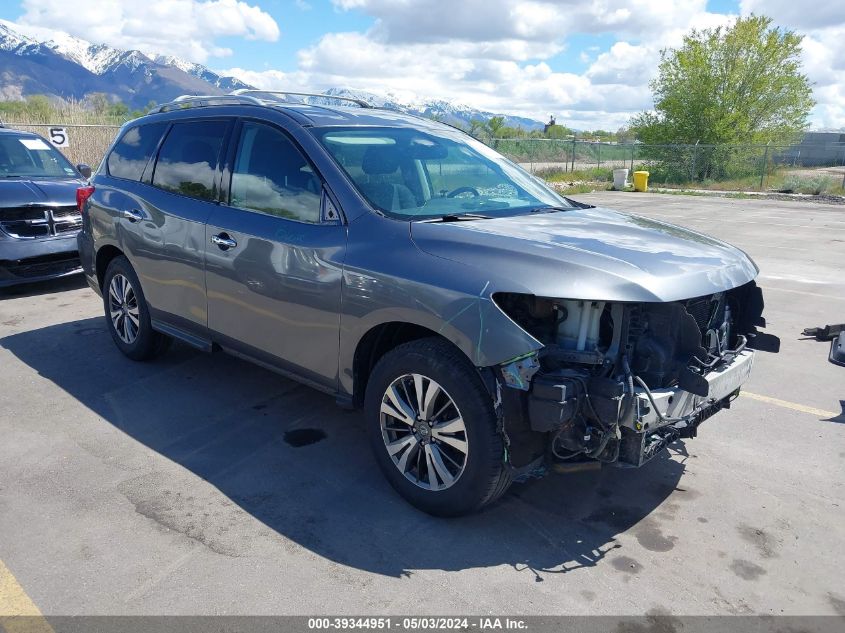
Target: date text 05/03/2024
(485,623)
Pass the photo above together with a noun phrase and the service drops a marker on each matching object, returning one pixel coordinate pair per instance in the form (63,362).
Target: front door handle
(223,241)
(133,215)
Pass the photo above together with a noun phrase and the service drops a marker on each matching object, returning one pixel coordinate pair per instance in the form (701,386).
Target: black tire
(147,344)
(485,475)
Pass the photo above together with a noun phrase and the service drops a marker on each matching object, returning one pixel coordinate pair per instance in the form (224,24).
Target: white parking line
(804,292)
(792,226)
(787,248)
(786,404)
(800,280)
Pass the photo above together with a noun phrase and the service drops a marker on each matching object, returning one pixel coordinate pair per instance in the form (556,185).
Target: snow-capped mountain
(41,61)
(225,83)
(95,58)
(452,113)
(34,60)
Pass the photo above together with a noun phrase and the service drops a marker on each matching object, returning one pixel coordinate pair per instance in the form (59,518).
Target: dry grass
(89,132)
(86,144)
(812,181)
(589,174)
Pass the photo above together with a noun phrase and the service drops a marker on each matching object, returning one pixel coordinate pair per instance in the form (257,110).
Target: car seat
(379,162)
(273,158)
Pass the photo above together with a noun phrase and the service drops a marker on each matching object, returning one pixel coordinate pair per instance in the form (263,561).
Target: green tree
(476,128)
(598,135)
(12,109)
(494,126)
(624,134)
(98,102)
(558,131)
(142,111)
(118,110)
(741,84)
(39,108)
(507,131)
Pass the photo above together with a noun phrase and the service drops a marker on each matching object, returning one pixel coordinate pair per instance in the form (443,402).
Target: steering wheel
(460,190)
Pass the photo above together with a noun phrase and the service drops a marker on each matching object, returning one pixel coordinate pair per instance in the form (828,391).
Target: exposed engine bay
(618,382)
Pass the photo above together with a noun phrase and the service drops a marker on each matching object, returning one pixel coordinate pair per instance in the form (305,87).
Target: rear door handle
(133,215)
(223,241)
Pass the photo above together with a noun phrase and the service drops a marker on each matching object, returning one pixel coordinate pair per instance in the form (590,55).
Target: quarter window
(271,176)
(187,161)
(133,151)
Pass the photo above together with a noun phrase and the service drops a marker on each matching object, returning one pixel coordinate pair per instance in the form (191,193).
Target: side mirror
(837,350)
(84,169)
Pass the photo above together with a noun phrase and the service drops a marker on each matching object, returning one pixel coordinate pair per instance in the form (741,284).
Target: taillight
(82,194)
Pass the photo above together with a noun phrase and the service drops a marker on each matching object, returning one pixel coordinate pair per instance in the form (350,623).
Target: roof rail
(281,93)
(198,101)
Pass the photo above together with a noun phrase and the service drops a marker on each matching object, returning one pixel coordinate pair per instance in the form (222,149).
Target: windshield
(415,174)
(31,157)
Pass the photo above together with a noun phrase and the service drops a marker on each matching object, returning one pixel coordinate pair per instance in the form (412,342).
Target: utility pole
(765,164)
(843,166)
(694,160)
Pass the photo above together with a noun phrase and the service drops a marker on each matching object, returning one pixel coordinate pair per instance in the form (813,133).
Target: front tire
(433,429)
(127,313)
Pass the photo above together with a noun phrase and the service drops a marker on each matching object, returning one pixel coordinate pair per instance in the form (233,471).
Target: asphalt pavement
(169,487)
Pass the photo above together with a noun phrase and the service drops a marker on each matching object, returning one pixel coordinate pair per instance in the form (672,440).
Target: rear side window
(133,151)
(187,161)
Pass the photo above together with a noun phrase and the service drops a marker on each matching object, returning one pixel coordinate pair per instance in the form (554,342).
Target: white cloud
(491,53)
(623,64)
(458,72)
(797,15)
(270,79)
(185,28)
(495,55)
(533,20)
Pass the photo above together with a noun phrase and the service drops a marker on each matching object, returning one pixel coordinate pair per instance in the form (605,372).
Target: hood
(19,192)
(589,254)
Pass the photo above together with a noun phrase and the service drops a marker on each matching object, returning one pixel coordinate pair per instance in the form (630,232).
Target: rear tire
(127,313)
(440,450)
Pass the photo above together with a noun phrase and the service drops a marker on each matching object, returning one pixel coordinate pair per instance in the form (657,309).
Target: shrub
(815,185)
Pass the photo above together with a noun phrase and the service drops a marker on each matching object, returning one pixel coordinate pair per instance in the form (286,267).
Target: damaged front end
(617,382)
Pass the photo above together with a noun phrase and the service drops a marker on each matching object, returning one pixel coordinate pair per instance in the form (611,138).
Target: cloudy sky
(588,62)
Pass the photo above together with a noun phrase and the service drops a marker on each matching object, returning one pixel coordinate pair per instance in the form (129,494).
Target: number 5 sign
(58,136)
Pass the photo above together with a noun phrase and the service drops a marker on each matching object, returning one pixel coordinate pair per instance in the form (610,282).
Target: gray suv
(491,329)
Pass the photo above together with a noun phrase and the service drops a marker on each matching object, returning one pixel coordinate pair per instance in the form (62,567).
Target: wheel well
(375,344)
(104,257)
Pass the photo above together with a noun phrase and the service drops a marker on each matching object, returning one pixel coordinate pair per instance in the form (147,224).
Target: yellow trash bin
(640,181)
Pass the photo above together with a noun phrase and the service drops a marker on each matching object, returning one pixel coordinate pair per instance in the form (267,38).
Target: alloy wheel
(123,309)
(423,432)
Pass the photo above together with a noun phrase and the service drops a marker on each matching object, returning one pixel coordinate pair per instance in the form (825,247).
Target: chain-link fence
(760,167)
(805,168)
(80,143)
